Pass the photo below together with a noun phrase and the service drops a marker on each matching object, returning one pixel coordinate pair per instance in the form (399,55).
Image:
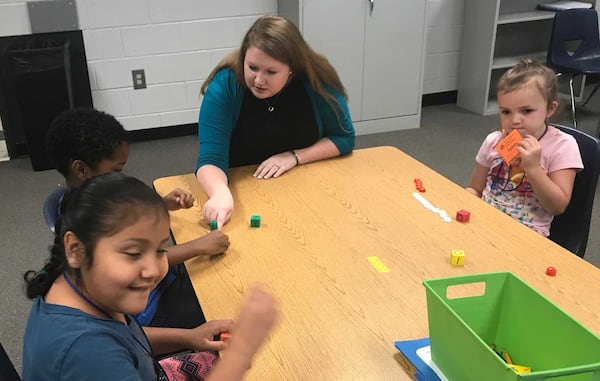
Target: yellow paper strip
(379,266)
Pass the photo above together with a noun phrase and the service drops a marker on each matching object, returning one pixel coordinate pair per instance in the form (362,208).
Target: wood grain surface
(320,223)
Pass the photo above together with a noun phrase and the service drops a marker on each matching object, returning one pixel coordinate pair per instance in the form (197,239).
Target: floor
(447,142)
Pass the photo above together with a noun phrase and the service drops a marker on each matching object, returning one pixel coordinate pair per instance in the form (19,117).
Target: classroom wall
(178,42)
(442,53)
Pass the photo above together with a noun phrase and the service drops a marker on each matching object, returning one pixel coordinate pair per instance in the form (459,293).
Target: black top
(260,133)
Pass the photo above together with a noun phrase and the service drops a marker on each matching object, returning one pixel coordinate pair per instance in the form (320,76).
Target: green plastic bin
(518,320)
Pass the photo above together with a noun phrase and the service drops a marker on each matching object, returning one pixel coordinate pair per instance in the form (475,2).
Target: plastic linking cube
(419,185)
(463,216)
(255,221)
(213,225)
(457,258)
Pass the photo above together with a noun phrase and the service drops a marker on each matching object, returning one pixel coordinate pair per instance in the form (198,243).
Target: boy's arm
(179,199)
(212,243)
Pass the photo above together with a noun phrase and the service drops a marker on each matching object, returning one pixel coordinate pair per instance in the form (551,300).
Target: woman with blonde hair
(274,102)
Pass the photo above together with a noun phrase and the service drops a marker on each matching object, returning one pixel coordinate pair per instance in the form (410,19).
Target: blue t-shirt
(63,343)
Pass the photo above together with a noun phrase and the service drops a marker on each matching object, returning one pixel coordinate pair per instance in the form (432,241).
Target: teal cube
(213,225)
(255,221)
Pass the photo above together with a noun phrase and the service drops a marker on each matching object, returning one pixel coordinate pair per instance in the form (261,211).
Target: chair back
(51,207)
(7,369)
(571,229)
(572,26)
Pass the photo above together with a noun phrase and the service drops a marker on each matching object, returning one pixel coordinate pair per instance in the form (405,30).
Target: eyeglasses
(505,181)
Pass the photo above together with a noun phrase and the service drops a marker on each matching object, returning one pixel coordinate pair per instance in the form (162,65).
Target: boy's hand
(213,243)
(179,199)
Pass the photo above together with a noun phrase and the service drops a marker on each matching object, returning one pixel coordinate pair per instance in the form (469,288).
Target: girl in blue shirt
(109,253)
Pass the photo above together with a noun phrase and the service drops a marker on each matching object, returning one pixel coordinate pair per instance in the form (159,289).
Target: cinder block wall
(178,42)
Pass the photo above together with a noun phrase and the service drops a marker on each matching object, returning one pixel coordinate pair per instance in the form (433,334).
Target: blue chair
(575,47)
(7,369)
(571,229)
(51,207)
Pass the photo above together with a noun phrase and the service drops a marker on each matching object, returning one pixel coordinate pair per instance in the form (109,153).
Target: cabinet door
(393,55)
(336,29)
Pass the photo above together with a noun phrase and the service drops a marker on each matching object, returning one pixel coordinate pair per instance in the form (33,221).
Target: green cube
(255,221)
(213,225)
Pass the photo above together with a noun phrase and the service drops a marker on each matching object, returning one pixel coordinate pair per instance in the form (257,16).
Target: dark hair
(280,38)
(101,207)
(83,134)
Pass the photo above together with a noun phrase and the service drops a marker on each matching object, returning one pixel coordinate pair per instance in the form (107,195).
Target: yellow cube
(457,258)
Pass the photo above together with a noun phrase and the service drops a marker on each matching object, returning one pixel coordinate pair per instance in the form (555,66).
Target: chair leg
(572,101)
(591,94)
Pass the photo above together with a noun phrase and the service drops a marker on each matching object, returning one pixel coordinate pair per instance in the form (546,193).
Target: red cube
(463,215)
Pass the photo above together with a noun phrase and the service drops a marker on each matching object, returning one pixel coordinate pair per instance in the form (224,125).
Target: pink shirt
(511,192)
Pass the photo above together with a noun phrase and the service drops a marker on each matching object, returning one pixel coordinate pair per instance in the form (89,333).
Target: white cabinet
(377,48)
(496,35)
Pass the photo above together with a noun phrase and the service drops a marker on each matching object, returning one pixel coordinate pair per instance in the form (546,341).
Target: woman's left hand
(276,165)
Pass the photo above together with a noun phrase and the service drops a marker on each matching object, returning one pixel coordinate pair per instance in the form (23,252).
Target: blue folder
(409,348)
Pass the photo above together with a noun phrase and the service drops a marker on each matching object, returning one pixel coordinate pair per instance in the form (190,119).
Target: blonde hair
(526,72)
(280,38)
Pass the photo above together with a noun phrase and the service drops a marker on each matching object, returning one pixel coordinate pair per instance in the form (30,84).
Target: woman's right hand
(218,208)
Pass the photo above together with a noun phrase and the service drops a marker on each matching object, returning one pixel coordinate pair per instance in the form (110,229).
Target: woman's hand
(276,165)
(218,208)
(179,199)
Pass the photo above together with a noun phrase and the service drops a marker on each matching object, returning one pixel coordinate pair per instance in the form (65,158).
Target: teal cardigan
(221,107)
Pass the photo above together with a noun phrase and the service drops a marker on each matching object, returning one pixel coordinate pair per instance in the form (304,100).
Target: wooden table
(320,222)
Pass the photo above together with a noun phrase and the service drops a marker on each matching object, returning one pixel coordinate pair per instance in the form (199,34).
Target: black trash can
(40,69)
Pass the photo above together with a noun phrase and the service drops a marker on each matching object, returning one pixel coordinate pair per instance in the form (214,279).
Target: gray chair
(571,229)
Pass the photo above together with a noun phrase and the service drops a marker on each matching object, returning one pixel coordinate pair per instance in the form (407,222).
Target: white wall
(178,42)
(442,54)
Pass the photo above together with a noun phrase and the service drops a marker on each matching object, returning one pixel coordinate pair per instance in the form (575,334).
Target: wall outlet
(139,79)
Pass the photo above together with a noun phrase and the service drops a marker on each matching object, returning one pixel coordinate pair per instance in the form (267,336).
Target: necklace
(86,299)
(271,106)
(543,133)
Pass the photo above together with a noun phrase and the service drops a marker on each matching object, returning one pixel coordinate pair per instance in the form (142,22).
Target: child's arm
(212,243)
(257,317)
(478,180)
(201,338)
(179,199)
(554,189)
